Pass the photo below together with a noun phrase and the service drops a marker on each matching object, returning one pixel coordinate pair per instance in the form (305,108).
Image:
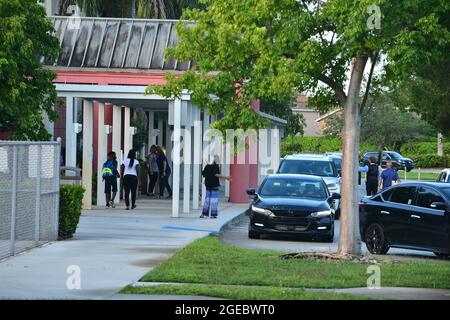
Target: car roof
(424,183)
(295,176)
(308,156)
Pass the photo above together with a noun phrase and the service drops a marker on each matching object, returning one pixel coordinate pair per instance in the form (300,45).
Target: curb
(232,223)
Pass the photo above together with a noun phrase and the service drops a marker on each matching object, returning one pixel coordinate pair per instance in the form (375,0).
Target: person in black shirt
(373,176)
(211,173)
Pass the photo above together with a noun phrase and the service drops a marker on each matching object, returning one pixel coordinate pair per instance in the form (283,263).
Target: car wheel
(441,255)
(253,234)
(375,239)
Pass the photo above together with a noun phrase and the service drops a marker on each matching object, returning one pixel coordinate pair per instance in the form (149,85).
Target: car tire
(375,239)
(253,234)
(441,255)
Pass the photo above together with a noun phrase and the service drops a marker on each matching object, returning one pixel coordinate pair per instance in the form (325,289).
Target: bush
(430,161)
(320,144)
(412,149)
(70,202)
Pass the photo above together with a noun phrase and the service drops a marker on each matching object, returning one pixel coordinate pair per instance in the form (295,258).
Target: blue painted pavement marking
(187,229)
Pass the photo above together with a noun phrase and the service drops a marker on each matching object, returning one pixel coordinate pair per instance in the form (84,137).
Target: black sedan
(292,204)
(413,215)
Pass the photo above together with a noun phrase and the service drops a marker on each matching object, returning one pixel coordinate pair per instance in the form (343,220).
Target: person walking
(153,170)
(164,173)
(130,172)
(110,175)
(388,177)
(373,173)
(211,173)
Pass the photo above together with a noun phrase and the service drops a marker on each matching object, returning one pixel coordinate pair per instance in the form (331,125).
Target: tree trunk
(349,239)
(440,146)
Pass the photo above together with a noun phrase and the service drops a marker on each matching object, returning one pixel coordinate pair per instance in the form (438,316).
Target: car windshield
(395,155)
(338,163)
(309,167)
(284,187)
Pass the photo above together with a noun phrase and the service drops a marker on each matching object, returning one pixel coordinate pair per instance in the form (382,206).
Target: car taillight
(361,205)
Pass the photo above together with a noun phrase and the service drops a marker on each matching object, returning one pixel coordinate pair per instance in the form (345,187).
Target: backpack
(108,169)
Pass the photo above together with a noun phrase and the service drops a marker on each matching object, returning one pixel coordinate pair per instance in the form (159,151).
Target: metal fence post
(13,200)
(57,185)
(38,192)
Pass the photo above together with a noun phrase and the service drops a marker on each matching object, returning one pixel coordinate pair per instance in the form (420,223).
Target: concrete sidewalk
(112,249)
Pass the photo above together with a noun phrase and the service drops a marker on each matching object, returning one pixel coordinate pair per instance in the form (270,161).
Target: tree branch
(369,81)
(340,94)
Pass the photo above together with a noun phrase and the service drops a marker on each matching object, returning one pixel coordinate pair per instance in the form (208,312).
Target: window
(309,167)
(426,196)
(403,195)
(387,194)
(283,187)
(442,177)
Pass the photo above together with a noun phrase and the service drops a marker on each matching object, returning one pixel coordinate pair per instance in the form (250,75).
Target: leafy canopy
(26,89)
(269,49)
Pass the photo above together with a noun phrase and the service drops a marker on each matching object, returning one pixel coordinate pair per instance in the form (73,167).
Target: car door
(428,225)
(396,211)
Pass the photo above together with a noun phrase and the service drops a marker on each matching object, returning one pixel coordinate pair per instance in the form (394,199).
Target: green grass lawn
(414,175)
(216,265)
(241,293)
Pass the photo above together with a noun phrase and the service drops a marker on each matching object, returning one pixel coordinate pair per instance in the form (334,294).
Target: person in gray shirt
(153,170)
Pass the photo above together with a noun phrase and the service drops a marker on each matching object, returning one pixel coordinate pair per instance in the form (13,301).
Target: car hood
(330,180)
(280,203)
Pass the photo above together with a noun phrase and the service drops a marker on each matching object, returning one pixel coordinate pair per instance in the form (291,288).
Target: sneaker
(107,205)
(127,208)
(133,207)
(203,216)
(213,217)
(111,203)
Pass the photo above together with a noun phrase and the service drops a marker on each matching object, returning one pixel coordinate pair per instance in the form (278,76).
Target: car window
(426,196)
(338,163)
(394,155)
(387,194)
(402,195)
(309,167)
(443,177)
(282,187)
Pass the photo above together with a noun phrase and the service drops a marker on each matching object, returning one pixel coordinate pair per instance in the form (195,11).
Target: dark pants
(371,188)
(130,184)
(151,184)
(163,184)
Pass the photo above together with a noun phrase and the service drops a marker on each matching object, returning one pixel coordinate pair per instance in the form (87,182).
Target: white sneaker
(111,203)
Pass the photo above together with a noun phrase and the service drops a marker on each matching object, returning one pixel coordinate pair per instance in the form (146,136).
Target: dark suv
(398,161)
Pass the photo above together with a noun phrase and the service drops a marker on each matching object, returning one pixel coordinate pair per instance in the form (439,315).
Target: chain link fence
(29,195)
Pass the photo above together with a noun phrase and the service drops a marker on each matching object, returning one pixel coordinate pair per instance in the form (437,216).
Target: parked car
(337,159)
(414,215)
(398,161)
(444,176)
(292,204)
(316,165)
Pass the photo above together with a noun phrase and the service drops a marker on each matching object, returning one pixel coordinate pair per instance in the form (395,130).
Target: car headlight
(263,211)
(319,214)
(332,186)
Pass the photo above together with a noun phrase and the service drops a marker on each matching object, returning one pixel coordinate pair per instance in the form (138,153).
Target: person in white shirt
(130,172)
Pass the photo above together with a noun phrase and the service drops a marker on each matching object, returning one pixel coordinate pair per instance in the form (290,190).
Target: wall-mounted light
(133,130)
(156,132)
(77,127)
(108,129)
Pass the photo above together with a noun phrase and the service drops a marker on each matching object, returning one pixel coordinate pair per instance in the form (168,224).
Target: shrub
(430,161)
(412,149)
(71,198)
(320,144)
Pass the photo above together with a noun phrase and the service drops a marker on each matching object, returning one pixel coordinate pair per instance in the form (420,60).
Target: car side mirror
(335,196)
(339,172)
(251,192)
(438,205)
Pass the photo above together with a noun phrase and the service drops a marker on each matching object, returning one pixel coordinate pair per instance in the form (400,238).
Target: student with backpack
(110,175)
(373,174)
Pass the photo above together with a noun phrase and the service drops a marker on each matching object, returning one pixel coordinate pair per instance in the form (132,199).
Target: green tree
(267,49)
(26,89)
(283,109)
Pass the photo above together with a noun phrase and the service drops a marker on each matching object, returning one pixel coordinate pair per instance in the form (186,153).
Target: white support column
(176,158)
(117,141)
(226,166)
(160,128)
(168,141)
(128,137)
(151,124)
(206,123)
(187,156)
(71,136)
(197,158)
(88,119)
(102,144)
